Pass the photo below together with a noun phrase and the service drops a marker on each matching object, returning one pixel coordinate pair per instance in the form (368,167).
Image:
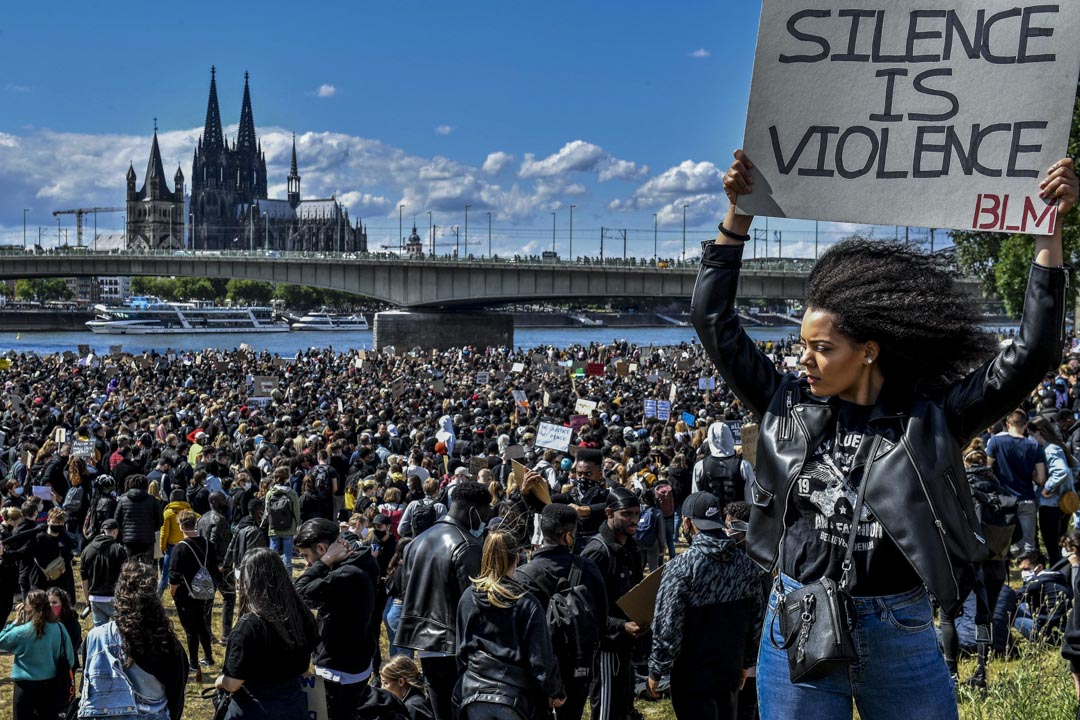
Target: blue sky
(521,109)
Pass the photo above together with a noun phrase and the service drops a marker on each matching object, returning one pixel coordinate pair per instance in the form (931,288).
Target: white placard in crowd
(584,407)
(902,112)
(483,378)
(554,437)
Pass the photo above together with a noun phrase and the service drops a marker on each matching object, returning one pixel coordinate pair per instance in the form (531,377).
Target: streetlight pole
(571,251)
(266,227)
(684,232)
(25,210)
(467,228)
(654,239)
(431,235)
(489,235)
(399,229)
(553,235)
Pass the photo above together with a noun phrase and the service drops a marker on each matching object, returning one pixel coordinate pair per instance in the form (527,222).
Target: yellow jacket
(170,528)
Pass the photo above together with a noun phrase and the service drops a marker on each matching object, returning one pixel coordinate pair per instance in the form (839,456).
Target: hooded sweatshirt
(445,434)
(721,444)
(170,526)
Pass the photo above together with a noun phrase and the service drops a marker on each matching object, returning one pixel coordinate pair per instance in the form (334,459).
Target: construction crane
(79,212)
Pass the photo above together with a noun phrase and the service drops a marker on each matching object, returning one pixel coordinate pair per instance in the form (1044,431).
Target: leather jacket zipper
(1064,304)
(835,613)
(787,423)
(937,521)
(790,481)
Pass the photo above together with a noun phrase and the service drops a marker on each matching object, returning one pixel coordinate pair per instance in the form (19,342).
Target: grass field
(1035,686)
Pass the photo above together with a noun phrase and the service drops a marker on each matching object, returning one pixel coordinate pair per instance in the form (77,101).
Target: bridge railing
(769,265)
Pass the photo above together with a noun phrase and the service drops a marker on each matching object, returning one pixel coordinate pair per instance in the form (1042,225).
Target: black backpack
(723,478)
(324,486)
(423,516)
(280,512)
(572,620)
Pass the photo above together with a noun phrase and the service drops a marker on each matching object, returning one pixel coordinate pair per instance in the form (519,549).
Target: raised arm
(1001,384)
(751,375)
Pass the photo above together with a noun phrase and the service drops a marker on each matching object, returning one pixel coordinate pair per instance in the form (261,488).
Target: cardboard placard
(896,114)
(622,369)
(540,491)
(263,385)
(477,464)
(83,448)
(554,437)
(584,407)
(639,603)
(515,452)
(314,688)
(749,443)
(517,367)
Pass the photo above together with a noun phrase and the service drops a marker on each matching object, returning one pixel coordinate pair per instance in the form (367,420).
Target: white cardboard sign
(902,112)
(554,437)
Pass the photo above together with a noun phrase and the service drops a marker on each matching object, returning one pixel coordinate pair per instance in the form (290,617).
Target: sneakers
(206,663)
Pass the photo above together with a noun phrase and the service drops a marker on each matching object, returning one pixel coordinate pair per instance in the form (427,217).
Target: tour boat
(148,315)
(323,320)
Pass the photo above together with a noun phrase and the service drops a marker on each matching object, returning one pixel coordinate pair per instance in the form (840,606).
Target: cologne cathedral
(229,208)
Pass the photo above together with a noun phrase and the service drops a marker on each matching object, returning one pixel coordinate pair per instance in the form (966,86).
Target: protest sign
(621,368)
(540,490)
(706,383)
(115,350)
(84,350)
(83,448)
(584,407)
(663,410)
(896,114)
(483,378)
(314,688)
(477,464)
(439,386)
(594,369)
(689,419)
(263,385)
(578,421)
(650,409)
(517,367)
(244,347)
(736,431)
(516,452)
(520,399)
(749,443)
(639,603)
(554,437)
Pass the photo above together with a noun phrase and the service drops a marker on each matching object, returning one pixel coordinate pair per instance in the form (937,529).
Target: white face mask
(1026,575)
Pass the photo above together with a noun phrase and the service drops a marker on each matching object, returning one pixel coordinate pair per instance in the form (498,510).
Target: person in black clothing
(60,602)
(100,566)
(9,567)
(384,545)
(198,496)
(247,536)
(139,516)
(270,647)
(343,595)
(401,677)
(591,496)
(240,495)
(616,554)
(190,556)
(546,573)
(39,549)
(312,504)
(438,566)
(505,659)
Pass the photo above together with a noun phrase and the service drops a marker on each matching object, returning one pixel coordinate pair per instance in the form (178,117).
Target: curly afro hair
(907,302)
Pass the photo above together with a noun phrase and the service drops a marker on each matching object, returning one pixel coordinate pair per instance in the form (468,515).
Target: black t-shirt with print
(823,501)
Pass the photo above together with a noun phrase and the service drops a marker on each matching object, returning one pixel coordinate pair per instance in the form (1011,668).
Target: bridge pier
(442,330)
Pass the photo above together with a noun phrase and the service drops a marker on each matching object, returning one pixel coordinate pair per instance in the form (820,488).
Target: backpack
(665,499)
(723,478)
(280,512)
(324,486)
(648,528)
(996,510)
(73,500)
(574,634)
(423,516)
(201,586)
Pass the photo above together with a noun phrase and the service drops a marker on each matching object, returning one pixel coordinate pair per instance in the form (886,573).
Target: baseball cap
(704,509)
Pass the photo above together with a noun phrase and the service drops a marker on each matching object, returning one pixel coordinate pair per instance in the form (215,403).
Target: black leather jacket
(437,567)
(915,481)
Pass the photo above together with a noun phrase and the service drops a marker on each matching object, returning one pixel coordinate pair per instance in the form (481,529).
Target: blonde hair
(975,454)
(402,667)
(57,516)
(496,564)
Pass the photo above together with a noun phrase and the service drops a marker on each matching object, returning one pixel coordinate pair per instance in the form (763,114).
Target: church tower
(211,193)
(155,214)
(294,178)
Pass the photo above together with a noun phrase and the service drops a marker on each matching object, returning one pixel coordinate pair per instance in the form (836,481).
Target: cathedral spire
(154,186)
(294,178)
(212,138)
(245,139)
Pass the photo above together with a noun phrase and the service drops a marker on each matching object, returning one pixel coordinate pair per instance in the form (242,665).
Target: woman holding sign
(899,376)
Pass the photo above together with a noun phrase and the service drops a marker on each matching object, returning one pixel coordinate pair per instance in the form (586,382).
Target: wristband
(730,235)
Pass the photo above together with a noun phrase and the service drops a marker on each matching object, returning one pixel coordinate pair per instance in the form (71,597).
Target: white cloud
(15,88)
(581,156)
(700,53)
(326,91)
(496,162)
(444,129)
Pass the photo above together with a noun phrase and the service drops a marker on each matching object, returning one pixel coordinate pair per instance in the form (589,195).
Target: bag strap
(847,565)
(575,571)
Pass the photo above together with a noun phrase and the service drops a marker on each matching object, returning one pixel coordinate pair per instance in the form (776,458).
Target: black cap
(704,509)
(380,519)
(110,524)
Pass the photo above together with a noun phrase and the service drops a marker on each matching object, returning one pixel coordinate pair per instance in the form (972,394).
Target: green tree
(1001,262)
(193,288)
(298,297)
(249,291)
(43,289)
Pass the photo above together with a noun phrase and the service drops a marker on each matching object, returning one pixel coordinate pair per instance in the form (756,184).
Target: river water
(286,344)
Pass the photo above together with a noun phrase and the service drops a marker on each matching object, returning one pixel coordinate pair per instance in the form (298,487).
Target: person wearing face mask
(614,551)
(240,495)
(247,536)
(1044,598)
(548,572)
(437,568)
(591,495)
(47,552)
(65,614)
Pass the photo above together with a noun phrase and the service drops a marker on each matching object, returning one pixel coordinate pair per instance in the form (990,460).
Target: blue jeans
(900,673)
(164,581)
(392,618)
(283,546)
(103,612)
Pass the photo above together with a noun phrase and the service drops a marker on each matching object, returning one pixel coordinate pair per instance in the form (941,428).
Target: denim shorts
(900,673)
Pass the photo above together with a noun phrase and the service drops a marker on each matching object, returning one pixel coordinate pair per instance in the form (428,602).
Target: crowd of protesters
(369,518)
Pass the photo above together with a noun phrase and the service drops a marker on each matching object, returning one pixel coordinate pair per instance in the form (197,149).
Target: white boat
(323,320)
(148,315)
